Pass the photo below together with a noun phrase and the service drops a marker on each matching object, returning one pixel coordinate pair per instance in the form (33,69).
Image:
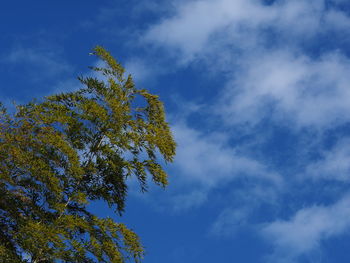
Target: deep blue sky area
(257,94)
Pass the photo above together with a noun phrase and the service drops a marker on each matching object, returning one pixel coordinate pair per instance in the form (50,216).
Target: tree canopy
(66,150)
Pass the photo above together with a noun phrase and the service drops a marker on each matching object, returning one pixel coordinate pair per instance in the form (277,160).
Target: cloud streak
(47,63)
(305,231)
(207,162)
(306,92)
(281,70)
(207,159)
(267,77)
(194,28)
(334,164)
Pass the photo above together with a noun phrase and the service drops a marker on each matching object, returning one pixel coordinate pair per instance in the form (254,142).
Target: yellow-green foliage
(71,148)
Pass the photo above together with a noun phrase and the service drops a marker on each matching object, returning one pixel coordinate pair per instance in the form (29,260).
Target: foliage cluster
(69,149)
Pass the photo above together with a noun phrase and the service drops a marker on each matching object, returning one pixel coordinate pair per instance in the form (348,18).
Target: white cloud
(208,162)
(67,85)
(244,202)
(142,71)
(335,164)
(304,232)
(230,220)
(265,80)
(338,18)
(308,92)
(195,22)
(300,17)
(261,48)
(278,81)
(138,69)
(43,70)
(41,63)
(189,200)
(193,27)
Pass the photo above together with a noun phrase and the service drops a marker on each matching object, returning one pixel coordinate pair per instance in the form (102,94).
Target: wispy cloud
(208,158)
(43,70)
(195,22)
(280,71)
(334,164)
(305,231)
(230,221)
(195,28)
(207,161)
(289,87)
(40,63)
(268,77)
(245,202)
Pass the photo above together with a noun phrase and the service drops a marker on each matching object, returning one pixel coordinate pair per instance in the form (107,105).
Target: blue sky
(258,97)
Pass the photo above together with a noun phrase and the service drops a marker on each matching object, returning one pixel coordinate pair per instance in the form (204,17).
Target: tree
(61,153)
